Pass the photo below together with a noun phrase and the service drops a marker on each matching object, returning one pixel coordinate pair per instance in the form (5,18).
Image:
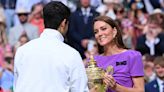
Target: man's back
(47,64)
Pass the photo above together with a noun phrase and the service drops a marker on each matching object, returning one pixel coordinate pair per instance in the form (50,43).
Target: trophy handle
(110,70)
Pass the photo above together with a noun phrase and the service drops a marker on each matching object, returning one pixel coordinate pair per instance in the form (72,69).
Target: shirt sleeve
(136,65)
(78,77)
(17,60)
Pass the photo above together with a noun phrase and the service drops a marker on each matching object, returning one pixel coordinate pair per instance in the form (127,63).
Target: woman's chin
(102,44)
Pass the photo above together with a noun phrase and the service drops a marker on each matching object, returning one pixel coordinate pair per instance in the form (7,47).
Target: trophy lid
(92,62)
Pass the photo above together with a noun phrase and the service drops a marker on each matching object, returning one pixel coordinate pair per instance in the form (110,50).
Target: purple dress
(126,65)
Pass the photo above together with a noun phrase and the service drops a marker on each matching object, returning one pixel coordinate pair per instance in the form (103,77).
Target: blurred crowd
(141,22)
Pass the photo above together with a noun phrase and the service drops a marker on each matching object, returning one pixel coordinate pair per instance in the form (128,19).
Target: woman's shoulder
(133,52)
(126,53)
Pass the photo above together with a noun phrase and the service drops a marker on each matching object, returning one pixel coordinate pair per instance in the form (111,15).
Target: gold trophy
(95,76)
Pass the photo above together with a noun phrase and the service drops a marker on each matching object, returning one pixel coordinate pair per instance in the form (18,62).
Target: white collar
(52,33)
(159,81)
(85,11)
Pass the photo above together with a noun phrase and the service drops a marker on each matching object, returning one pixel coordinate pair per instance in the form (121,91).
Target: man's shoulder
(151,84)
(29,44)
(69,48)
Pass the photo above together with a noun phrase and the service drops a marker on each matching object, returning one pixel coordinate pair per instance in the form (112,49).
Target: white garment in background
(47,64)
(95,3)
(27,4)
(148,6)
(151,44)
(159,81)
(68,3)
(102,10)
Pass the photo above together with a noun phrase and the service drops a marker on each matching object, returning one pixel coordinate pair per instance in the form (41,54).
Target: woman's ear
(114,32)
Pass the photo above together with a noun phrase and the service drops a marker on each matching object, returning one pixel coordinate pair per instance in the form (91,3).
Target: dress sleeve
(136,64)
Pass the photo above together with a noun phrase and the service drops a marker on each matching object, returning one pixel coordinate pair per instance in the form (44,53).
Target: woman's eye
(95,32)
(103,28)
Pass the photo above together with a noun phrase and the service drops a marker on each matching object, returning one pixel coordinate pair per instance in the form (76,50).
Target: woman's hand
(109,81)
(94,89)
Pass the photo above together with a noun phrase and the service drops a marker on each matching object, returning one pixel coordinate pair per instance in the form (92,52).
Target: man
(152,42)
(24,28)
(47,64)
(80,29)
(9,10)
(157,85)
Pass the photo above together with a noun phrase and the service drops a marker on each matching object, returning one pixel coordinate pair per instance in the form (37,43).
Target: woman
(128,68)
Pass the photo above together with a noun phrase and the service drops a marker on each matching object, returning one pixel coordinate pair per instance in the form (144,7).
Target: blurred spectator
(80,27)
(9,10)
(152,42)
(107,8)
(95,3)
(3,39)
(27,4)
(6,80)
(138,18)
(150,5)
(149,73)
(8,58)
(22,40)
(162,4)
(148,68)
(35,17)
(3,36)
(157,85)
(158,16)
(119,11)
(6,71)
(23,28)
(68,3)
(92,49)
(127,33)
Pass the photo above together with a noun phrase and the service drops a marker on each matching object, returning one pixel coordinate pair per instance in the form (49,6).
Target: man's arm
(78,77)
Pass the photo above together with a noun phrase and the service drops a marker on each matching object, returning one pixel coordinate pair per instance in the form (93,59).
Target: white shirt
(148,7)
(102,10)
(27,4)
(86,11)
(95,3)
(151,44)
(46,64)
(69,3)
(159,81)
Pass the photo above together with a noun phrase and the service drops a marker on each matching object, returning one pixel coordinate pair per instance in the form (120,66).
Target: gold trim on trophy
(110,70)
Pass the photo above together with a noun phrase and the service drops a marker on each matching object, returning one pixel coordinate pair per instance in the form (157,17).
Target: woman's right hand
(109,81)
(94,89)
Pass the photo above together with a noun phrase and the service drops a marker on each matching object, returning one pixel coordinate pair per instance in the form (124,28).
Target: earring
(113,36)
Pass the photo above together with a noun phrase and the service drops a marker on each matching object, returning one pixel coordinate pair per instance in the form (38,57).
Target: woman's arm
(137,87)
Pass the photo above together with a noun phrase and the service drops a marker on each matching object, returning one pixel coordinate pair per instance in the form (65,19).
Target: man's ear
(63,26)
(63,23)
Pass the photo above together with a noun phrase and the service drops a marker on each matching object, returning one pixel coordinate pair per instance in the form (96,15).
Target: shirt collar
(52,33)
(159,81)
(85,11)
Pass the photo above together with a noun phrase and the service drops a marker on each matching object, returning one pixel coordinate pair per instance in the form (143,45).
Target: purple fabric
(126,65)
